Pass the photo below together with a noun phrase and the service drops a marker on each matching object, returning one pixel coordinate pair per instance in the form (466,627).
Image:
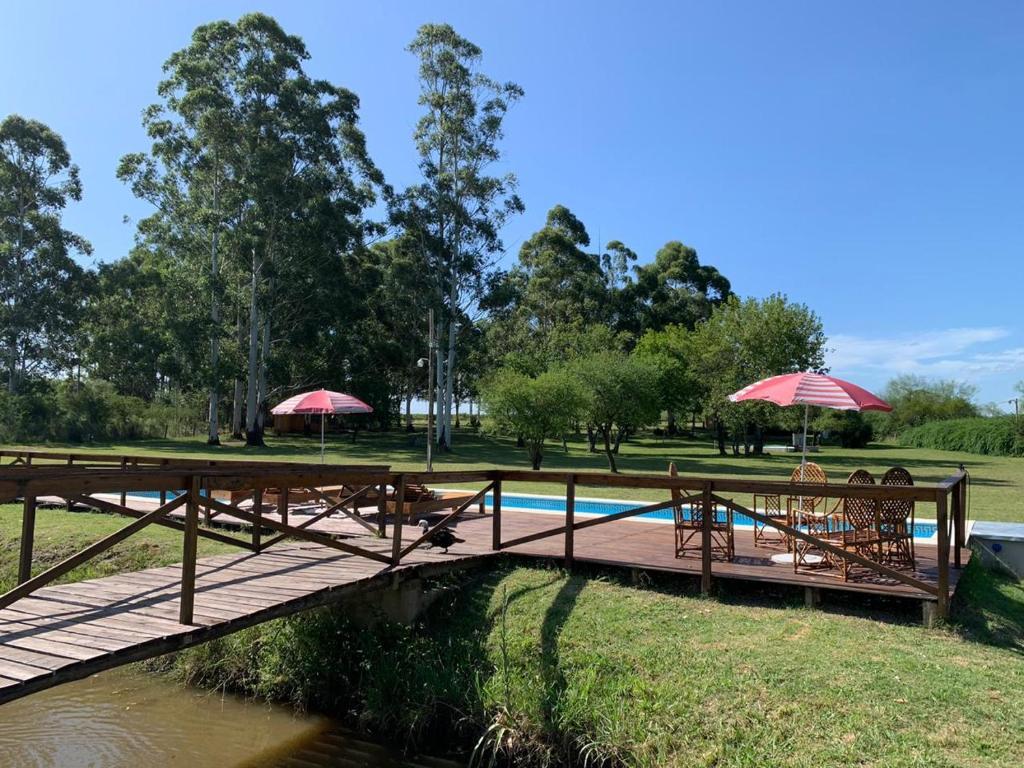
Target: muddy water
(132,719)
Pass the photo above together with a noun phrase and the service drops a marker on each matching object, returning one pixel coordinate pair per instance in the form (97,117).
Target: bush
(92,410)
(848,428)
(997,436)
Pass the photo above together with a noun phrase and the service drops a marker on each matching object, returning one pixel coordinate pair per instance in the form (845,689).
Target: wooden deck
(70,631)
(650,546)
(51,633)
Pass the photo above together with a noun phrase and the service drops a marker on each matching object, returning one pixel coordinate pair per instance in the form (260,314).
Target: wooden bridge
(358,540)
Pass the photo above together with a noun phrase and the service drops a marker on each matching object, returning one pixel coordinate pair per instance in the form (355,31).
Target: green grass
(59,534)
(997,490)
(564,667)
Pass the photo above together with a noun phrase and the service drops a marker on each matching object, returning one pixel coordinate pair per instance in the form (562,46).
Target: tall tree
(458,209)
(42,287)
(674,289)
(270,165)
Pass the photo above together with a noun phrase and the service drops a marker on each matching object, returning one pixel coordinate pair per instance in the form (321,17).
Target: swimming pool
(921,530)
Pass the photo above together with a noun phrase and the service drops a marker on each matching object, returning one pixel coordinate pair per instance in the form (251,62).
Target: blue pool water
(921,530)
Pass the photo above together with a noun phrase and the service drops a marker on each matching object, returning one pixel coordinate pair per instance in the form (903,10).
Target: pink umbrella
(809,389)
(321,401)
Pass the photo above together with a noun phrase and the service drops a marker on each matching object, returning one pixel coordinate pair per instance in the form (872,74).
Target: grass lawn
(997,490)
(561,666)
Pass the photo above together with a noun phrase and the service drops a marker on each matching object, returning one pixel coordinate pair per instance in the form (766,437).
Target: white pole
(323,417)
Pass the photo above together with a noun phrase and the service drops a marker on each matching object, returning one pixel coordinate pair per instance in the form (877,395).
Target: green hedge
(999,436)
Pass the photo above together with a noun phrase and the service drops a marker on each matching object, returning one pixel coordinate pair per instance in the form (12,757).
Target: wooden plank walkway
(70,631)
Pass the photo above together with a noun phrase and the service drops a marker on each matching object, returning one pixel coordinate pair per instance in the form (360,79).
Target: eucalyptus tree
(456,212)
(674,289)
(270,165)
(42,287)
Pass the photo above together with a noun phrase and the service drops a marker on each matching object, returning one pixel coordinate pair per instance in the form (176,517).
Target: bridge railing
(207,492)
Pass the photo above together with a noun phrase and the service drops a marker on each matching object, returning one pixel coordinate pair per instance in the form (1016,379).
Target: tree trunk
(252,435)
(606,435)
(591,439)
(408,409)
(720,436)
(758,440)
(536,455)
(449,390)
(261,413)
(213,431)
(673,429)
(458,420)
(239,394)
(619,434)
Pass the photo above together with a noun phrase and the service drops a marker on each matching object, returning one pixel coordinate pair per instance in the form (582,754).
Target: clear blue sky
(866,158)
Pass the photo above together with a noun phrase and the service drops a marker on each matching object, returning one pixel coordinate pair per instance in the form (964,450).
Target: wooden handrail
(445,520)
(84,555)
(298,533)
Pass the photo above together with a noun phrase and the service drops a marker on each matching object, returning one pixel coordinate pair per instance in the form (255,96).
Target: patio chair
(858,526)
(897,536)
(771,505)
(689,525)
(811,514)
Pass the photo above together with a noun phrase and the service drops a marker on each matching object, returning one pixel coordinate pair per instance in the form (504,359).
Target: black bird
(442,537)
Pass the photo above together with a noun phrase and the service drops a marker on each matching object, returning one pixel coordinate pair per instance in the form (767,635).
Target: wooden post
(28,534)
(382,510)
(163,492)
(188,556)
(942,608)
(207,513)
(957,515)
(124,466)
(71,460)
(257,511)
(570,514)
(496,517)
(282,504)
(707,510)
(396,527)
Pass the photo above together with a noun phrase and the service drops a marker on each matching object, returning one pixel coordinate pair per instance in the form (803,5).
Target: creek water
(131,719)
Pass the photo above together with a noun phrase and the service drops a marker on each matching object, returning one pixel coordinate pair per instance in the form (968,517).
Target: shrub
(848,428)
(998,436)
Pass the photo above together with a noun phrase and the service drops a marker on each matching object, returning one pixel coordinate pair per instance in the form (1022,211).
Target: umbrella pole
(322,418)
(803,461)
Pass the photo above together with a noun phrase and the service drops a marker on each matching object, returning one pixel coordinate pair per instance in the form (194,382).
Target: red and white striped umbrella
(812,389)
(321,401)
(809,389)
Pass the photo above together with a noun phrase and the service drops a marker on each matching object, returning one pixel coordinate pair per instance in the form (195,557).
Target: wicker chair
(860,525)
(897,537)
(810,513)
(771,505)
(689,525)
